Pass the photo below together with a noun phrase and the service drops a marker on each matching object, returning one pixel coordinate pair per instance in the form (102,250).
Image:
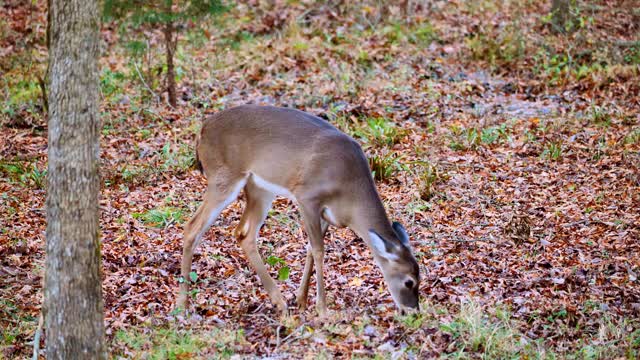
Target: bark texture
(73,295)
(171,73)
(170,42)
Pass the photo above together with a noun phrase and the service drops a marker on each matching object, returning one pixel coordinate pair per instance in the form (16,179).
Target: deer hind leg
(303,291)
(220,193)
(258,204)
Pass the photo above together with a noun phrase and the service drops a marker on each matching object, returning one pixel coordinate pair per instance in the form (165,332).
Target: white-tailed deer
(269,151)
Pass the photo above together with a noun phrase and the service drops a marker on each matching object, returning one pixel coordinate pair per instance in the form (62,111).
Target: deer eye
(409,284)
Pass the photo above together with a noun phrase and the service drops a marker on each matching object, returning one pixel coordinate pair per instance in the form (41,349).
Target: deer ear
(401,233)
(381,246)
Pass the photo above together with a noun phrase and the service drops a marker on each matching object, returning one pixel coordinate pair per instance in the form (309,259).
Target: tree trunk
(73,293)
(170,43)
(560,15)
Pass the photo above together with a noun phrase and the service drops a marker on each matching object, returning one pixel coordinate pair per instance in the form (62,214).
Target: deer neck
(371,215)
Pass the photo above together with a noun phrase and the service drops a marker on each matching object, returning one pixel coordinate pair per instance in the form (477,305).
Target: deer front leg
(312,222)
(318,259)
(303,292)
(248,244)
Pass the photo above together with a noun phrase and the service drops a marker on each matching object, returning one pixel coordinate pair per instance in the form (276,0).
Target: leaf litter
(531,222)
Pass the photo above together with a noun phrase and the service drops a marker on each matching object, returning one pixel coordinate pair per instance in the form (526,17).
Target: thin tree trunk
(73,293)
(170,43)
(560,15)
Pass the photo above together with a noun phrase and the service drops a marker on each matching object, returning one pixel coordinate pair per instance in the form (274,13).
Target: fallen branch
(36,339)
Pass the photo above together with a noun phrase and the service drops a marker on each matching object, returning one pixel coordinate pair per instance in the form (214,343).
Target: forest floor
(510,152)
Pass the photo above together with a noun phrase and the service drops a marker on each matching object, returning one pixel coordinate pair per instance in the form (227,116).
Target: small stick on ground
(36,339)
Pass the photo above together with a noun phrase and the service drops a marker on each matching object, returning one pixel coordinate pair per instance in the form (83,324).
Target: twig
(8,271)
(36,339)
(284,340)
(169,223)
(135,64)
(270,320)
(278,336)
(43,89)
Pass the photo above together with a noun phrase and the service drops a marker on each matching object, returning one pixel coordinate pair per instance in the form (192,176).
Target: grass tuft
(428,176)
(180,160)
(385,165)
(170,343)
(27,175)
(633,137)
(492,337)
(160,217)
(552,151)
(379,131)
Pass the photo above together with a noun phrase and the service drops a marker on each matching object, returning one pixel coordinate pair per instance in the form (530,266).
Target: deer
(271,151)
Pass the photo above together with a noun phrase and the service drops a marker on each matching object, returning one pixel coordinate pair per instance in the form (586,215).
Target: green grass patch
(476,333)
(25,91)
(161,217)
(21,98)
(14,323)
(131,173)
(552,151)
(614,339)
(412,321)
(111,83)
(600,115)
(497,49)
(428,175)
(494,134)
(379,131)
(385,165)
(461,138)
(169,343)
(235,40)
(179,160)
(423,34)
(372,131)
(26,174)
(633,137)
